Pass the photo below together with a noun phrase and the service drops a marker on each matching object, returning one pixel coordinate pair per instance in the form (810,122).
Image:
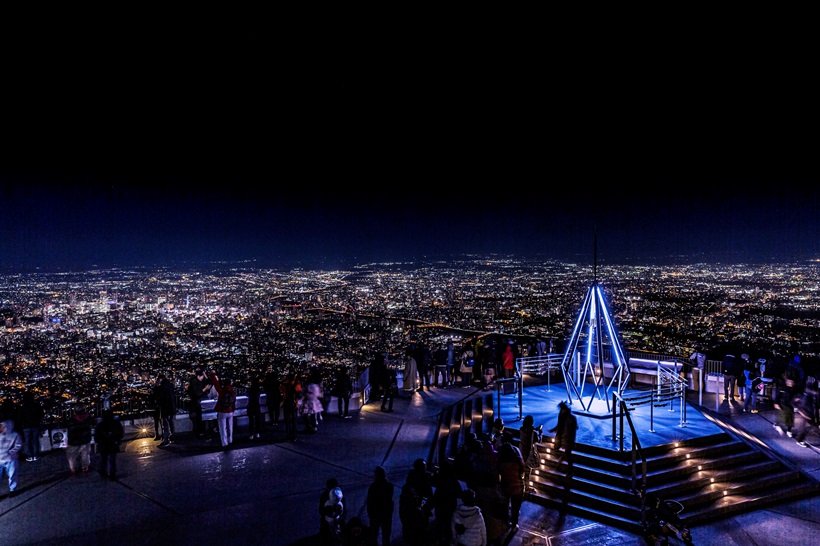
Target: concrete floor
(266,492)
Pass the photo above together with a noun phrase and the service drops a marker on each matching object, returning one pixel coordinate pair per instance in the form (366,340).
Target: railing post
(623,410)
(652,412)
(659,378)
(614,415)
(700,386)
(521,397)
(549,376)
(498,398)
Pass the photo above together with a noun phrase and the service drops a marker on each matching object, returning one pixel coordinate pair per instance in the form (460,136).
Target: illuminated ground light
(700,467)
(711,480)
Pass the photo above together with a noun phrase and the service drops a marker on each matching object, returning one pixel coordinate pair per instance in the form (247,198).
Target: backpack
(227,400)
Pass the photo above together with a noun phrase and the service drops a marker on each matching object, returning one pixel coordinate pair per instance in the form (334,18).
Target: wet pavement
(266,492)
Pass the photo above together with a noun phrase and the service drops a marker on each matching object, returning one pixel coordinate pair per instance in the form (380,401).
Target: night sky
(127,147)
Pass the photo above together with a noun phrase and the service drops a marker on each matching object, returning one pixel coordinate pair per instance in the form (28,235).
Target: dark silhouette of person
(198,387)
(565,431)
(273,393)
(389,387)
(343,389)
(380,506)
(108,436)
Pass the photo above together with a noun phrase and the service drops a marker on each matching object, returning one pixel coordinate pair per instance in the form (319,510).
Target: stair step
(716,490)
(695,481)
(734,504)
(587,499)
(619,492)
(584,511)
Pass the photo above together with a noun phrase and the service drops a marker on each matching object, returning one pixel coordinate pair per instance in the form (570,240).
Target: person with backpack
(225,406)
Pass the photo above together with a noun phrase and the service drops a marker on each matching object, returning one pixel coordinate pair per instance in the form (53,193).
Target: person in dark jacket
(31,418)
(108,436)
(380,506)
(343,389)
(254,409)
(565,431)
(198,387)
(273,393)
(511,473)
(166,402)
(79,440)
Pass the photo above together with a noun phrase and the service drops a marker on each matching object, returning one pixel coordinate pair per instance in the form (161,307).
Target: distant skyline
(197,145)
(67,222)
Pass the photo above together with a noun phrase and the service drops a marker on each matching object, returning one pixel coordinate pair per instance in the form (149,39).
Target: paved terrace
(266,492)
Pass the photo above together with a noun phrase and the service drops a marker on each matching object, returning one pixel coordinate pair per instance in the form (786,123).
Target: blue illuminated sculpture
(593,343)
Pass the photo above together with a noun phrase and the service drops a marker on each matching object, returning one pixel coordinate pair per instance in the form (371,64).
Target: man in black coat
(380,506)
(166,402)
(198,387)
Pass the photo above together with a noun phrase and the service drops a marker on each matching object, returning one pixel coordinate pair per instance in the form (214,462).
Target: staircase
(714,477)
(456,421)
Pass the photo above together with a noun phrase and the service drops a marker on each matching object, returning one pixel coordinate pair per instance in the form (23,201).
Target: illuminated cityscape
(76,337)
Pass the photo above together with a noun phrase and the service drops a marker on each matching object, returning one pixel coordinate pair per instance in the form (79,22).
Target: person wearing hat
(332,517)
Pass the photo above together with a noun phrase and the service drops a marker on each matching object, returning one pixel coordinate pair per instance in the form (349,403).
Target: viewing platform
(265,492)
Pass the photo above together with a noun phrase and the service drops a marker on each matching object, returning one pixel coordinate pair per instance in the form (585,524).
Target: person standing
(468,528)
(10,446)
(343,389)
(508,359)
(79,440)
(225,406)
(198,388)
(333,517)
(108,436)
(167,404)
(450,363)
(565,431)
(389,389)
(31,417)
(273,393)
(511,475)
(292,391)
(380,506)
(729,376)
(255,408)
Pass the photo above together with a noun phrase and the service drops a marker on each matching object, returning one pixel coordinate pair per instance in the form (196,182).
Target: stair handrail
(637,451)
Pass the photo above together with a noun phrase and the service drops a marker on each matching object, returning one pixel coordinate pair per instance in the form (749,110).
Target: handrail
(619,402)
(499,384)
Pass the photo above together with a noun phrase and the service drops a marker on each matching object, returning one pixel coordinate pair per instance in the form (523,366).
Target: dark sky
(139,146)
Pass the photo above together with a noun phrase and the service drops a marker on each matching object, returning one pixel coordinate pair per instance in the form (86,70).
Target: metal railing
(540,365)
(518,381)
(619,403)
(672,386)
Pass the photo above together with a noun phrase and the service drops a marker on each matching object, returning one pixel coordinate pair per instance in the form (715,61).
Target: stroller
(661,520)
